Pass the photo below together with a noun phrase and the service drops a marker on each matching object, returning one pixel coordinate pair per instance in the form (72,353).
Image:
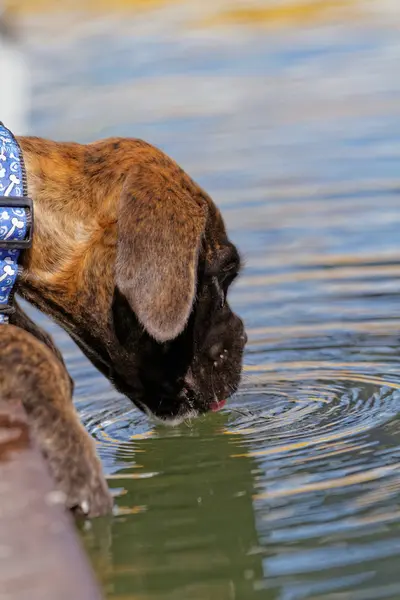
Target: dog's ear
(160,231)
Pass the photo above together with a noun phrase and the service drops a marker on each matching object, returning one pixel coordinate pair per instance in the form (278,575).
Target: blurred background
(288,114)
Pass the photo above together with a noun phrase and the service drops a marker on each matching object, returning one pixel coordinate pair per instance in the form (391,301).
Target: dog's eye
(229,271)
(228,278)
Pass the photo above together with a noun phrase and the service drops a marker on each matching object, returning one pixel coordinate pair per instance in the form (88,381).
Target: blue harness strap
(16,218)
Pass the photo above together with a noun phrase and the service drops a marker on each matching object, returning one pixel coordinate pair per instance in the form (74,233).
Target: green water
(291,492)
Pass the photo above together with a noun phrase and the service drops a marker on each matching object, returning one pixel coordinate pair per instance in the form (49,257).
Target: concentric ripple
(313,410)
(323,432)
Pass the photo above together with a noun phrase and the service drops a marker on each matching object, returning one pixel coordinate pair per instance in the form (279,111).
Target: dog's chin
(172,421)
(174,411)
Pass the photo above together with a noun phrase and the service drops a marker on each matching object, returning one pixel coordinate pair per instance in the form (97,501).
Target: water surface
(291,492)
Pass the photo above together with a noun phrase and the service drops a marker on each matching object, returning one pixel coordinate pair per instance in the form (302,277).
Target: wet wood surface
(40,554)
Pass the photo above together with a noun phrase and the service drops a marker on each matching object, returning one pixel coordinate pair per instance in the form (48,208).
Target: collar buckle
(18,202)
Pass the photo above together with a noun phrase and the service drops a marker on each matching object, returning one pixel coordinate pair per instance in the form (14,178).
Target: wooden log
(40,555)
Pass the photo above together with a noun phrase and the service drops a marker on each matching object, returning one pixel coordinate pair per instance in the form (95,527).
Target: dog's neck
(70,264)
(68,213)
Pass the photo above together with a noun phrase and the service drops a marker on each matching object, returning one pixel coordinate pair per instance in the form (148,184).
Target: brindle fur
(131,257)
(30,373)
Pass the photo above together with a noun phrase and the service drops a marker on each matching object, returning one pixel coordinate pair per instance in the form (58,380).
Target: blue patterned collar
(16,218)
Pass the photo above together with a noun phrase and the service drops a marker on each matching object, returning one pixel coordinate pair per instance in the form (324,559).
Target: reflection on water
(292,491)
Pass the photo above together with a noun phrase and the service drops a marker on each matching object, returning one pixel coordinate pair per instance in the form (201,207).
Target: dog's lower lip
(216,406)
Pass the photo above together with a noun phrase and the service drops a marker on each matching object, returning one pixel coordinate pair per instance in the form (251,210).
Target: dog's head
(181,343)
(136,266)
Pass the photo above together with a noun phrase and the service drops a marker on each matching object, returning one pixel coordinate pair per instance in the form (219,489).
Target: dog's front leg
(20,319)
(31,375)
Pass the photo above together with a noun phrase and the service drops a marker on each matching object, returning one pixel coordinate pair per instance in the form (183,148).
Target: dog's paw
(92,500)
(78,476)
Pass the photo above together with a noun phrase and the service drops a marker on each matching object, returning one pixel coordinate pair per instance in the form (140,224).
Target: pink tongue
(216,406)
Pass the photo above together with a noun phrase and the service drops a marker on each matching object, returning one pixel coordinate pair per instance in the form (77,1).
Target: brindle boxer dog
(31,375)
(132,259)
